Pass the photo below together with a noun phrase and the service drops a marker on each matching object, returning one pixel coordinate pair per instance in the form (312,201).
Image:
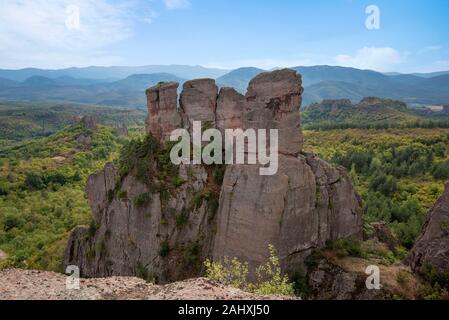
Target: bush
(141,200)
(300,283)
(164,250)
(269,278)
(34,181)
(347,247)
(231,272)
(181,219)
(441,171)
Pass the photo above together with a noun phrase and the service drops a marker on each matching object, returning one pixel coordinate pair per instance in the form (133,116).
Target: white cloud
(61,33)
(379,59)
(177,4)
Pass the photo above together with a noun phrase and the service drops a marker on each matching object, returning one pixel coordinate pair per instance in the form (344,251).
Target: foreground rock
(431,250)
(39,285)
(216,211)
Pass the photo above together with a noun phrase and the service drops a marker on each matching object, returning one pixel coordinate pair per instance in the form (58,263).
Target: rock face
(199,101)
(217,211)
(163,116)
(432,247)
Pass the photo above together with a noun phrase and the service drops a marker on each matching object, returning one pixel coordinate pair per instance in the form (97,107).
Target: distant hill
(238,78)
(141,82)
(125,86)
(333,82)
(315,74)
(108,74)
(126,93)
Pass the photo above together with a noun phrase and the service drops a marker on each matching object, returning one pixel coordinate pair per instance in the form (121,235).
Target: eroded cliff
(156,220)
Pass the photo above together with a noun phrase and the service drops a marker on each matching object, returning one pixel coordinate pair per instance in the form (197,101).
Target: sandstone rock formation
(432,247)
(166,238)
(163,116)
(89,122)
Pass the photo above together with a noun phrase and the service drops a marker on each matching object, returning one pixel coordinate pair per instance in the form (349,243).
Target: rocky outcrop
(163,116)
(432,247)
(121,130)
(89,122)
(165,232)
(229,111)
(382,233)
(199,101)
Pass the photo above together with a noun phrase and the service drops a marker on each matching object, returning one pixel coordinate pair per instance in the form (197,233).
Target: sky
(398,36)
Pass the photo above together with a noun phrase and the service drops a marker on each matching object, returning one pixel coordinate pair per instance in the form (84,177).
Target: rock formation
(432,247)
(163,116)
(168,236)
(89,122)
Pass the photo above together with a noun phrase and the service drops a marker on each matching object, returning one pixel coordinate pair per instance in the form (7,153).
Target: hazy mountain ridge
(124,86)
(114,72)
(128,92)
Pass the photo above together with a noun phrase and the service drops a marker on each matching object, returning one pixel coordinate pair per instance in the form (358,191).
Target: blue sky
(413,34)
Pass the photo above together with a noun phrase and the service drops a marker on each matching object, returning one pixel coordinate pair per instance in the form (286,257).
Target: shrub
(402,278)
(441,171)
(164,250)
(141,200)
(179,181)
(231,272)
(347,247)
(34,181)
(300,283)
(182,219)
(123,195)
(269,278)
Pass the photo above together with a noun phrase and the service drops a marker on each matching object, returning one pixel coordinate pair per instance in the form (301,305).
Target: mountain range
(124,86)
